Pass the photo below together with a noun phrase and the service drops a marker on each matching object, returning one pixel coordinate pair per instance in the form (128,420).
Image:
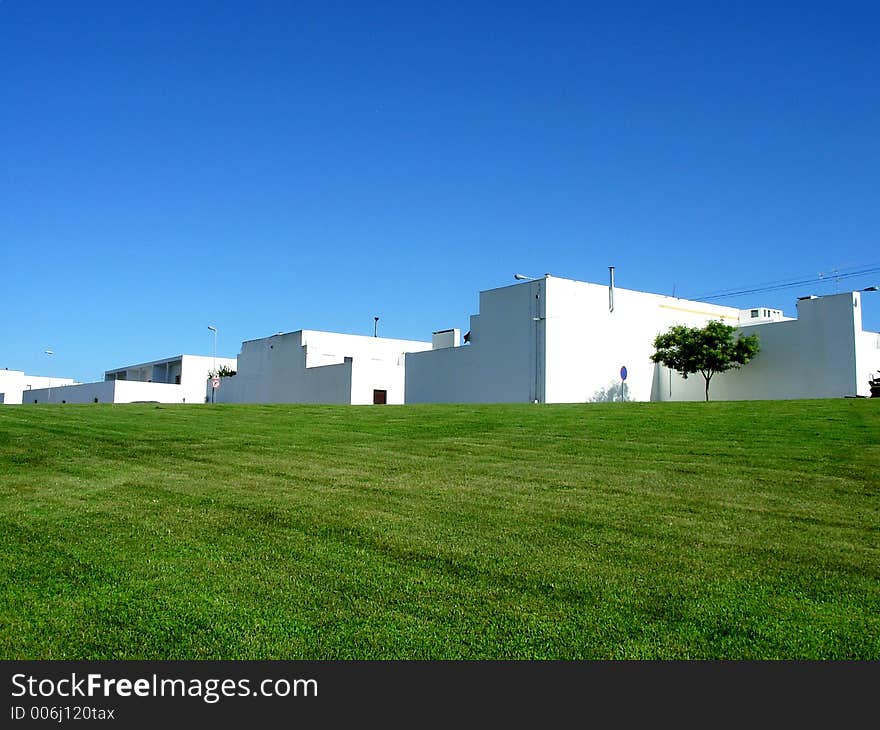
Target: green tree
(705,350)
(224,371)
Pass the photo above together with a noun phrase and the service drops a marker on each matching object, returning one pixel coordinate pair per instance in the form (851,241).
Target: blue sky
(271,166)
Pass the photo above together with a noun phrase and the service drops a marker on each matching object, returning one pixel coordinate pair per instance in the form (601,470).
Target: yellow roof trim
(697,311)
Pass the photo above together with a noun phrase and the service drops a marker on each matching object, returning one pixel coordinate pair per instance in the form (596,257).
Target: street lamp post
(49,399)
(214,373)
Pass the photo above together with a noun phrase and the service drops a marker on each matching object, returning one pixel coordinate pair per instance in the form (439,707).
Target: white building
(15,385)
(178,379)
(309,366)
(546,340)
(555,340)
(190,372)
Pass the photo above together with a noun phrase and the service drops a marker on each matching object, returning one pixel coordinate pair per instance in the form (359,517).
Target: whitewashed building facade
(556,340)
(177,379)
(310,366)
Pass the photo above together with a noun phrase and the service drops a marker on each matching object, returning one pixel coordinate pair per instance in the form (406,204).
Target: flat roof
(163,361)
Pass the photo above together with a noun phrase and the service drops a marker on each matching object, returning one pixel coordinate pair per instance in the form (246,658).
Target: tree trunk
(708,378)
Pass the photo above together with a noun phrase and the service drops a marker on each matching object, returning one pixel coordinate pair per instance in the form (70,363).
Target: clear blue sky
(272,166)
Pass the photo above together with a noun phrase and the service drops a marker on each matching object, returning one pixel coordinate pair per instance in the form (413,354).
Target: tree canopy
(706,350)
(224,371)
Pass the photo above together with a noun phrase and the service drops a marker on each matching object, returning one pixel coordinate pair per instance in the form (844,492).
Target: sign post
(215,383)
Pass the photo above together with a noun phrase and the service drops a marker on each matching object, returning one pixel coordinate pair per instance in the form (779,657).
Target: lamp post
(49,399)
(214,373)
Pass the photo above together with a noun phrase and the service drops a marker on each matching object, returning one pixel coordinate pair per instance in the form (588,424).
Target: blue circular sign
(623,373)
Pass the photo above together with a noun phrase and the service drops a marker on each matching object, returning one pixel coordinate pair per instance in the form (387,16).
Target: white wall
(588,344)
(813,356)
(868,361)
(367,376)
(500,365)
(194,374)
(14,382)
(83,393)
(109,391)
(309,366)
(273,370)
(448,375)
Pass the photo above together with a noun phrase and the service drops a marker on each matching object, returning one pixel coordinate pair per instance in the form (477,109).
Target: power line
(835,274)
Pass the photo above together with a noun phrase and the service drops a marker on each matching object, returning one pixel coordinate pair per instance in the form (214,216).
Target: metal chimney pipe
(610,288)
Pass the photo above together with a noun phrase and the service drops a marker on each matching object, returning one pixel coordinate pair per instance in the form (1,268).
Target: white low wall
(109,391)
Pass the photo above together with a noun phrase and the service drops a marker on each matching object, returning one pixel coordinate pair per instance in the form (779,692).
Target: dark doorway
(380,397)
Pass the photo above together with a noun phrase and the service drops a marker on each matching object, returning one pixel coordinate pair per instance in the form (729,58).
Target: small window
(754,313)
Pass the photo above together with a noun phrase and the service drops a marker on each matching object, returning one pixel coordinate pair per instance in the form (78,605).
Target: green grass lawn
(719,530)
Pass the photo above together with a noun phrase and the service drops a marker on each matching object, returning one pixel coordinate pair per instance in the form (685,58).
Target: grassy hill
(719,530)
